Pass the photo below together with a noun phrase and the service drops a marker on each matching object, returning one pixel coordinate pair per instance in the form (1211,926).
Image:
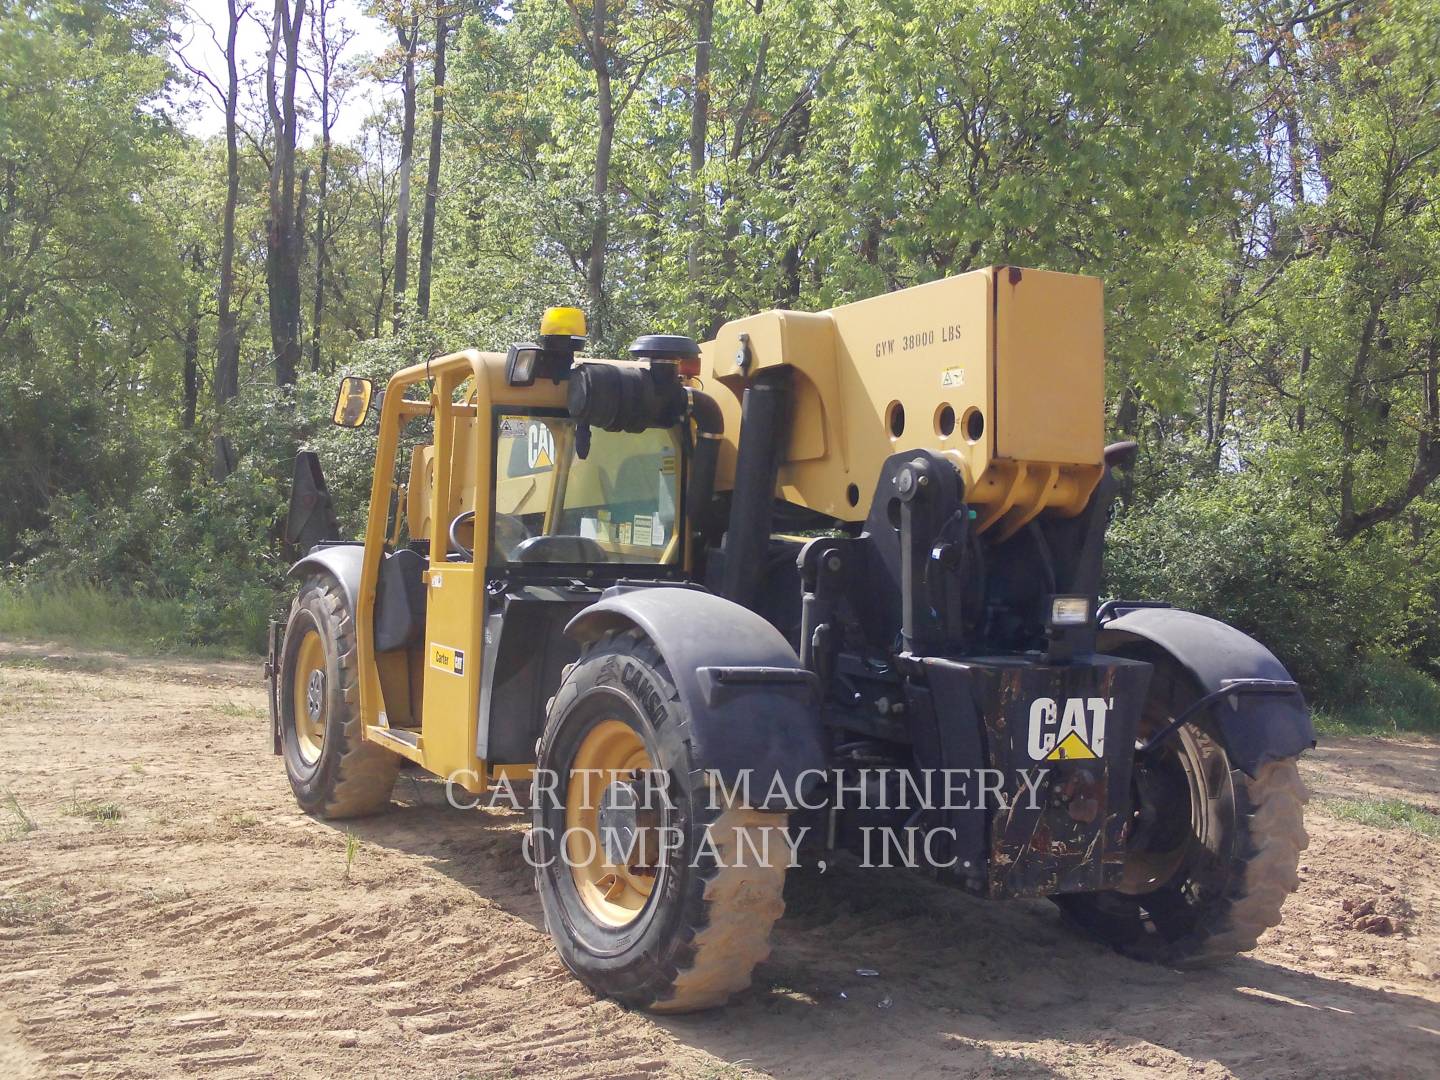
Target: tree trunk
(378,315)
(699,133)
(1302,390)
(191,387)
(322,183)
(302,201)
(1222,409)
(752,95)
(227,359)
(605,141)
(283,254)
(432,171)
(408,42)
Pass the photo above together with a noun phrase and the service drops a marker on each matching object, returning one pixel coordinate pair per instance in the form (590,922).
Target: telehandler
(781,581)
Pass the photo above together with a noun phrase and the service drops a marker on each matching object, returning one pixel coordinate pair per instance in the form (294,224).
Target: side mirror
(352,403)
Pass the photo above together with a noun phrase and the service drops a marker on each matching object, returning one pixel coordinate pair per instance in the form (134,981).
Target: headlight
(1069,610)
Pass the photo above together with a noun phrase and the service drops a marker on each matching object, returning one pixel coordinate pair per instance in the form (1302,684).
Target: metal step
(404,741)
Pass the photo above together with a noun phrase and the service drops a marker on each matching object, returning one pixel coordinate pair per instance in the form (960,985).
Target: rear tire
(677,933)
(333,771)
(1201,891)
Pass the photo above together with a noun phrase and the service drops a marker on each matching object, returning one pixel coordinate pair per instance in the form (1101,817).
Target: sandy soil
(213,930)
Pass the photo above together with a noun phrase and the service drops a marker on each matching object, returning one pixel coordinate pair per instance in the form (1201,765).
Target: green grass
(101,619)
(33,910)
(244,712)
(1394,698)
(20,822)
(92,810)
(352,849)
(1386,814)
(1352,721)
(1365,719)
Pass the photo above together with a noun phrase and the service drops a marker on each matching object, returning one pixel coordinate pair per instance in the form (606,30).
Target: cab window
(569,493)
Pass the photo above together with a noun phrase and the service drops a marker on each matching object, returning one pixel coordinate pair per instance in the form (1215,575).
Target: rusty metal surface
(1072,839)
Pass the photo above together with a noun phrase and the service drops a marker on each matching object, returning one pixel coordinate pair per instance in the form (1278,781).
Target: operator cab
(535,480)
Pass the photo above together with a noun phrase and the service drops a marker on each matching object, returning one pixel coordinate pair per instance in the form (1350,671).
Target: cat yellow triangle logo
(542,460)
(1071,747)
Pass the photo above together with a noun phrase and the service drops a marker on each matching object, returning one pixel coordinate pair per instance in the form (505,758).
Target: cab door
(454,583)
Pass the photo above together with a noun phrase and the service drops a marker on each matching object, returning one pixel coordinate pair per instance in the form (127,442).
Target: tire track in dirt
(212,930)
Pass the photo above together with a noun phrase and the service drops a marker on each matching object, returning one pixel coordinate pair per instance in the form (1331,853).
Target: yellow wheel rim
(614,869)
(310,702)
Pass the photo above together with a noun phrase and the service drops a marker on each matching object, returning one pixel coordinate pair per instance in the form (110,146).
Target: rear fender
(752,705)
(1255,728)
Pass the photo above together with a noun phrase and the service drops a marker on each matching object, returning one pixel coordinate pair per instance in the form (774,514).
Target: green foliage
(1251,553)
(352,849)
(1386,814)
(86,269)
(204,557)
(21,823)
(90,616)
(348,454)
(107,813)
(1391,696)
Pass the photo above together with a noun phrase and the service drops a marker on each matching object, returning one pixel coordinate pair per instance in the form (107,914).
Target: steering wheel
(455,544)
(510,531)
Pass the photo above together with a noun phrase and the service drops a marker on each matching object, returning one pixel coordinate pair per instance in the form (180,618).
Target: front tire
(676,916)
(333,772)
(1214,852)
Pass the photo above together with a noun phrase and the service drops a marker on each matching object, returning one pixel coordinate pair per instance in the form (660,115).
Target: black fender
(400,595)
(752,704)
(1255,728)
(340,561)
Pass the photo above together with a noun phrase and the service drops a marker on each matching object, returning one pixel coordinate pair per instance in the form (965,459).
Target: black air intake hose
(626,397)
(709,430)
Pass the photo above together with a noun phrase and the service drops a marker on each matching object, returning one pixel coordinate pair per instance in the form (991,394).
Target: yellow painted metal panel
(1005,379)
(859,367)
(1049,367)
(452,668)
(463,433)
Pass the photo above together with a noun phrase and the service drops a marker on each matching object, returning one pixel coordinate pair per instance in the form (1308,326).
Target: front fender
(752,705)
(340,561)
(1255,728)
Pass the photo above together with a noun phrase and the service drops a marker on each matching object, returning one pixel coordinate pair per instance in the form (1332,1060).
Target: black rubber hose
(764,419)
(709,430)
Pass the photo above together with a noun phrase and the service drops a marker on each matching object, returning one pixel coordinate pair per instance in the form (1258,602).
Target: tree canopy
(1255,180)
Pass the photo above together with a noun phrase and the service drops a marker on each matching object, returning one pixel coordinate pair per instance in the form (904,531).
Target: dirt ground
(213,929)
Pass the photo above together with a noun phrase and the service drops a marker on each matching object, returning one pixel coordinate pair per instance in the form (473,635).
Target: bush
(1393,697)
(187,559)
(206,555)
(1261,561)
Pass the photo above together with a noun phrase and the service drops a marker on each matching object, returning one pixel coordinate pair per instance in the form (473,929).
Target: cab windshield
(569,493)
